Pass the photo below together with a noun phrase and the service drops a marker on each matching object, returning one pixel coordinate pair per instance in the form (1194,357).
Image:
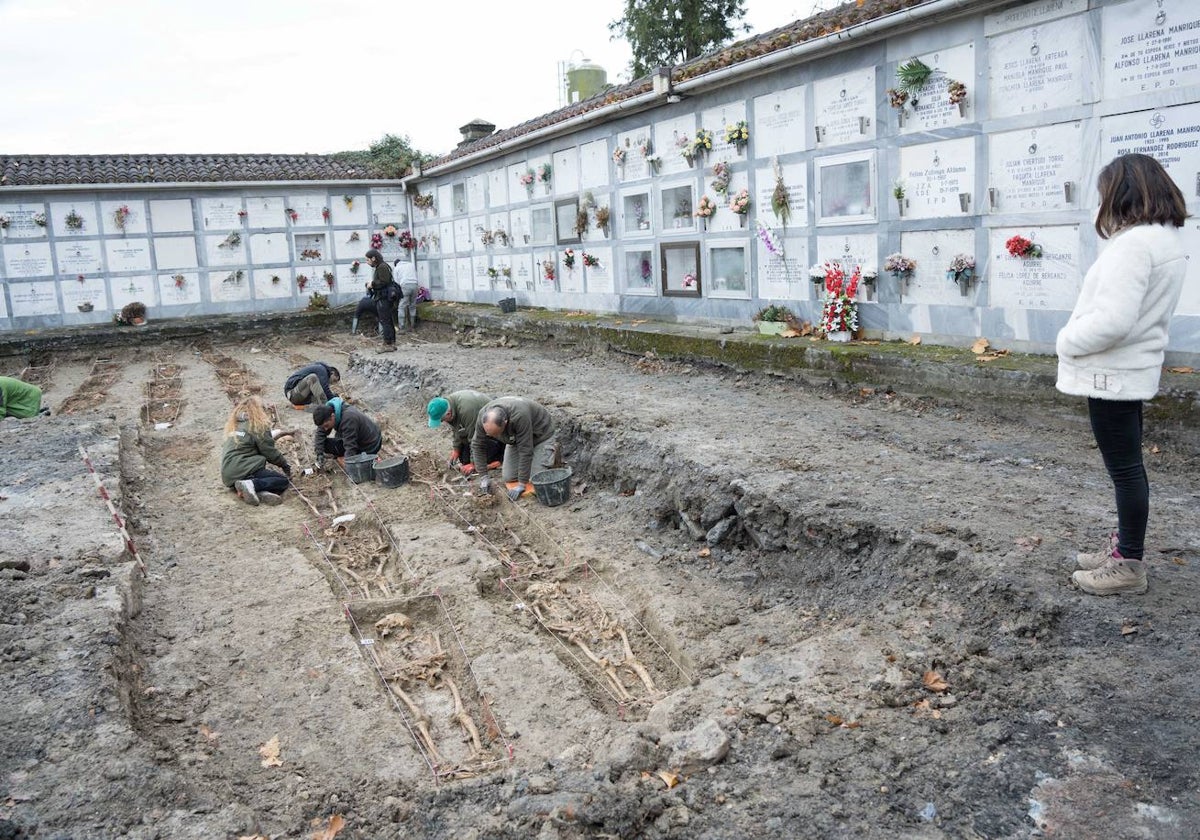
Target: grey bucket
(392,472)
(508,305)
(358,467)
(553,487)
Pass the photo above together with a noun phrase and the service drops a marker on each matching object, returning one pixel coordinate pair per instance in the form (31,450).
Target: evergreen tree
(388,157)
(669,32)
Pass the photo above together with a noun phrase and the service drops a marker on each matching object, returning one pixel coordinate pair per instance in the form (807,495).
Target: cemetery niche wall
(938,133)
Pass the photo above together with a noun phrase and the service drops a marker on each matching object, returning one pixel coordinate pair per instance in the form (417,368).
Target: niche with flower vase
(728,271)
(678,205)
(845,189)
(680,263)
(638,275)
(636,213)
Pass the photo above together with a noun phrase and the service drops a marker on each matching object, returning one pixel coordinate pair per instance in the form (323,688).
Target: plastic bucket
(393,472)
(553,487)
(358,467)
(508,305)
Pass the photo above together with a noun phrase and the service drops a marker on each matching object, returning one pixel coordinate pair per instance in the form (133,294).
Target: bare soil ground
(768,609)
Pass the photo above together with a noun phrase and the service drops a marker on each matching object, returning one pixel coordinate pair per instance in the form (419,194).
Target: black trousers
(385,311)
(1117,426)
(266,480)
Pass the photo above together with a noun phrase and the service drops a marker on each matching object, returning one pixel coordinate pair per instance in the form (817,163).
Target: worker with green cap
(461,410)
(20,399)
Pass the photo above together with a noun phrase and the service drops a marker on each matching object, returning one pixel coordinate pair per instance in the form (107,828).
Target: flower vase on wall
(742,219)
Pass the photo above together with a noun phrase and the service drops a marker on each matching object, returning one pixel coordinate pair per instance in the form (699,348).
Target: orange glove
(467,469)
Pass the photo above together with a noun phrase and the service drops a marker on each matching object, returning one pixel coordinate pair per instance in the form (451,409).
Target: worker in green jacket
(249,447)
(460,410)
(20,399)
(527,432)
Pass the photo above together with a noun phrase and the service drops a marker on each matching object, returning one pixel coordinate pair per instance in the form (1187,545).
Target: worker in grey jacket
(527,431)
(311,384)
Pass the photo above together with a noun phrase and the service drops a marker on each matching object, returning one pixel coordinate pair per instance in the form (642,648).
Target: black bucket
(508,305)
(393,472)
(358,467)
(553,487)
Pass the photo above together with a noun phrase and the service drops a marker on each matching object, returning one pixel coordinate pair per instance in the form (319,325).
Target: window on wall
(677,207)
(636,213)
(680,269)
(845,189)
(727,272)
(541,225)
(459,198)
(639,272)
(566,211)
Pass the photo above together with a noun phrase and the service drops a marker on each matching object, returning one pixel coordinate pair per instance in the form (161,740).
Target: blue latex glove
(516,492)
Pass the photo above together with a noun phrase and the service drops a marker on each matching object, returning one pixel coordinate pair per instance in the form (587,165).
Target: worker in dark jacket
(355,432)
(311,385)
(385,291)
(249,447)
(460,410)
(527,431)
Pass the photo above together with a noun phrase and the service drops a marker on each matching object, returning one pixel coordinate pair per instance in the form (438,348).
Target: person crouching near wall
(249,447)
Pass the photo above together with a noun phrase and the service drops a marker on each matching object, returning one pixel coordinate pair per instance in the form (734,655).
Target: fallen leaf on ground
(1154,450)
(336,824)
(1181,370)
(933,681)
(790,334)
(704,552)
(866,392)
(669,779)
(1028,543)
(834,720)
(270,753)
(209,734)
(915,340)
(252,837)
(980,346)
(1178,561)
(1129,629)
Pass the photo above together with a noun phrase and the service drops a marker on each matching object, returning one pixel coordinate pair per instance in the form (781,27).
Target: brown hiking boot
(1090,560)
(1120,577)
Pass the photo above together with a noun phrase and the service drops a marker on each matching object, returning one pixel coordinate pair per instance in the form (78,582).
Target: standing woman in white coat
(1111,350)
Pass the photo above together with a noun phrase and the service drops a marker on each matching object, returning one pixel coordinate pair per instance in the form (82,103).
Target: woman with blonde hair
(1112,348)
(249,447)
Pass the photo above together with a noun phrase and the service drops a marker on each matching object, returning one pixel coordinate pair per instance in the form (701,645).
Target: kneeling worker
(249,446)
(20,399)
(461,411)
(527,431)
(311,385)
(356,433)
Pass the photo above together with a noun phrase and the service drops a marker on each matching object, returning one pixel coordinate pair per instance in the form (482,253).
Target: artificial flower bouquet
(839,312)
(1019,246)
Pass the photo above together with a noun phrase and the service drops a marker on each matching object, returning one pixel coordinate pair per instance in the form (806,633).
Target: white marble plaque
(77,292)
(593,165)
(502,272)
(476,193)
(1049,282)
(131,218)
(349,209)
(180,288)
(348,244)
(173,216)
(221,213)
(479,232)
(566,171)
(29,259)
(82,257)
(429,274)
(128,289)
(724,219)
(348,280)
(1169,135)
(481,281)
(517,191)
(850,250)
(466,276)
(637,147)
(132,254)
(783,275)
(446,235)
(939,178)
(264,212)
(933,109)
(445,200)
(267,248)
(463,235)
(84,210)
(844,108)
(3,303)
(228,249)
(542,259)
(599,278)
(1028,14)
(498,224)
(1189,300)
(21,220)
(307,210)
(570,279)
(1037,68)
(312,247)
(29,299)
(1035,170)
(389,206)
(668,137)
(450,274)
(779,121)
(172,252)
(519,227)
(932,250)
(637,272)
(717,120)
(541,187)
(497,188)
(234,284)
(1150,47)
(523,272)
(795,180)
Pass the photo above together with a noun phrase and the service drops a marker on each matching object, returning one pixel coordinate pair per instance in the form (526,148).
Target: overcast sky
(255,76)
